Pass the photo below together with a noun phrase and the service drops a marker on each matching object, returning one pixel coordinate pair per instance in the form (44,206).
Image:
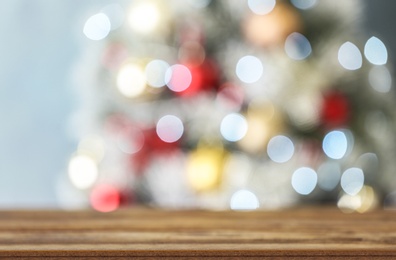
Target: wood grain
(297,233)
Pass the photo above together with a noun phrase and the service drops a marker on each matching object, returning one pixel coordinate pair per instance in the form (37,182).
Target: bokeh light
(83,171)
(329,174)
(349,56)
(368,161)
(335,144)
(380,79)
(230,95)
(264,122)
(105,198)
(233,127)
(155,73)
(131,80)
(377,124)
(365,200)
(280,149)
(297,46)
(303,112)
(205,167)
(249,69)
(97,27)
(304,4)
(92,145)
(237,169)
(261,7)
(178,78)
(352,180)
(169,128)
(304,180)
(390,201)
(258,133)
(115,13)
(130,140)
(114,55)
(144,17)
(244,200)
(192,52)
(199,3)
(375,51)
(335,109)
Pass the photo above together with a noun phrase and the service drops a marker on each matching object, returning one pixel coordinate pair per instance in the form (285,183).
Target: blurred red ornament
(155,144)
(205,72)
(105,198)
(152,147)
(231,95)
(335,109)
(128,136)
(205,77)
(115,123)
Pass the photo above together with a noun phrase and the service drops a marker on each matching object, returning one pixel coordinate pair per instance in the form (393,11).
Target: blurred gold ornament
(264,122)
(272,28)
(205,167)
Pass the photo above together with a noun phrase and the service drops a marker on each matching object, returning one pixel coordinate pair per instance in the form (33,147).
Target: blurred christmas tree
(241,104)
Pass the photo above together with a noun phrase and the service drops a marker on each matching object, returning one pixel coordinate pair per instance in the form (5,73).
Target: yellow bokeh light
(257,135)
(205,167)
(92,145)
(369,199)
(144,17)
(364,201)
(264,122)
(131,80)
(83,171)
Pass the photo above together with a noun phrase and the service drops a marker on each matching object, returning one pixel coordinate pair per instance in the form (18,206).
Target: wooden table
(299,233)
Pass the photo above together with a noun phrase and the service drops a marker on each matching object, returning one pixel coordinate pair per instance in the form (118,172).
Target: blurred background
(42,43)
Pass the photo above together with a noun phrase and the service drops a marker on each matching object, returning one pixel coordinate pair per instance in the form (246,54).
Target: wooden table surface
(299,233)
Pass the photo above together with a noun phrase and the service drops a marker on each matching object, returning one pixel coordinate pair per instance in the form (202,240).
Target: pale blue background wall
(38,45)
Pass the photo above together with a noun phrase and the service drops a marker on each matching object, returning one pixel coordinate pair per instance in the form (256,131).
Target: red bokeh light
(105,198)
(335,109)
